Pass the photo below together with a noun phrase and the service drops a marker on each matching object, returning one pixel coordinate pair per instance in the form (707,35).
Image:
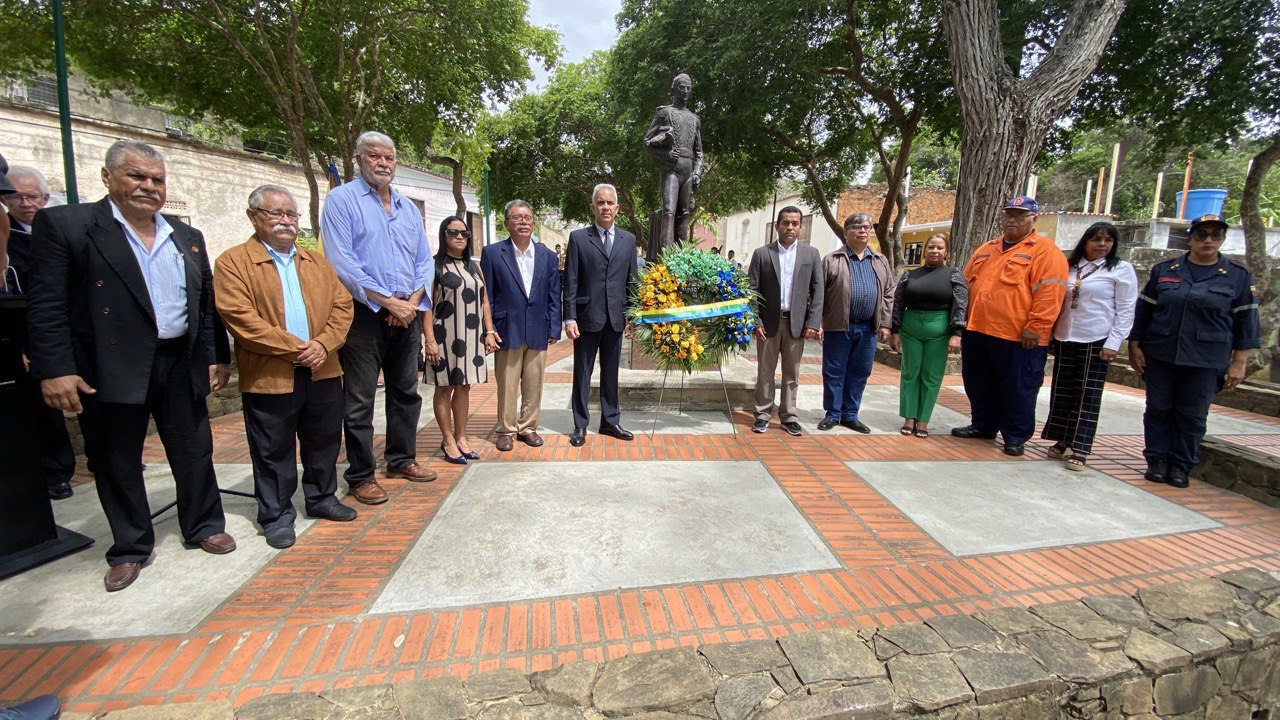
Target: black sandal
(907,429)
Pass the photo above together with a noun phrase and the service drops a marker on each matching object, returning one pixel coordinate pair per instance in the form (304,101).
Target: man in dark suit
(522,278)
(32,194)
(123,328)
(598,273)
(787,276)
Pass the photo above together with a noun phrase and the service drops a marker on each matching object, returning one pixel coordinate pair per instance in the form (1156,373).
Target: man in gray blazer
(787,276)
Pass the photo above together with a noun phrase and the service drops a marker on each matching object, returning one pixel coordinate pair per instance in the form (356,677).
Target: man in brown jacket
(856,311)
(289,314)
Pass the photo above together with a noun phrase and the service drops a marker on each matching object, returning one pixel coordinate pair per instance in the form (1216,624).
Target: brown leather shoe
(218,544)
(504,443)
(369,493)
(413,471)
(121,576)
(531,438)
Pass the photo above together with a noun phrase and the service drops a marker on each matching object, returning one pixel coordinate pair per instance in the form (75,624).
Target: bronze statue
(675,138)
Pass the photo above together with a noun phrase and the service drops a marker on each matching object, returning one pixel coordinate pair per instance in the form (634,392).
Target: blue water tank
(1202,202)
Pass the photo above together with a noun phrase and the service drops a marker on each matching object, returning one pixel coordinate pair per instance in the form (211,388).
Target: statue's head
(680,86)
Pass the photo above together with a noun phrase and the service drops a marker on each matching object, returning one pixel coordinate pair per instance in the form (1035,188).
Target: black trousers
(1178,400)
(116,433)
(373,345)
(608,344)
(276,425)
(1002,379)
(57,458)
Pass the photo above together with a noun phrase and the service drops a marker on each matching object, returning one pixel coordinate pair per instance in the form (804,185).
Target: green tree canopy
(321,71)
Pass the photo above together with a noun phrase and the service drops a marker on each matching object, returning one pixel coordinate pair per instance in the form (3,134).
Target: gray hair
(858,219)
(373,137)
(120,148)
(19,172)
(595,191)
(256,197)
(506,209)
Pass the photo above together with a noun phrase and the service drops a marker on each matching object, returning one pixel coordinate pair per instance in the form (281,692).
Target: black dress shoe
(1178,476)
(827,423)
(281,537)
(856,426)
(335,511)
(1157,471)
(969,431)
(760,425)
(1014,449)
(616,431)
(61,491)
(579,437)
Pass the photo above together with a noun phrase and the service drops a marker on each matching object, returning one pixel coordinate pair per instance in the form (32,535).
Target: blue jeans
(847,357)
(1002,379)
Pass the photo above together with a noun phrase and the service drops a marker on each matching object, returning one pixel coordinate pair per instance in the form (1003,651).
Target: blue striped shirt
(165,273)
(373,250)
(295,308)
(862,288)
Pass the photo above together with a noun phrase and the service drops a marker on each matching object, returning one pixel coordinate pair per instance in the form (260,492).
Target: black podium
(28,534)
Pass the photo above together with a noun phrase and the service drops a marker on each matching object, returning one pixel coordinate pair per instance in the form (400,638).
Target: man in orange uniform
(1016,286)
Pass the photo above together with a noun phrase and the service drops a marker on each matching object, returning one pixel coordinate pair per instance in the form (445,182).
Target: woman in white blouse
(1097,314)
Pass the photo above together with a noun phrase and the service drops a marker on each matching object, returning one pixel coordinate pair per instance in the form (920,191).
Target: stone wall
(1198,650)
(1242,470)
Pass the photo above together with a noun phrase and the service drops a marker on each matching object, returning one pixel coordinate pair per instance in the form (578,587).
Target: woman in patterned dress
(459,333)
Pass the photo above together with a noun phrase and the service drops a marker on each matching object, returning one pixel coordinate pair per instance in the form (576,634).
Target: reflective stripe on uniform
(1242,308)
(1144,297)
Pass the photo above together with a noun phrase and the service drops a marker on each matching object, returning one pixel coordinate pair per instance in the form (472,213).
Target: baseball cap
(1209,219)
(1022,202)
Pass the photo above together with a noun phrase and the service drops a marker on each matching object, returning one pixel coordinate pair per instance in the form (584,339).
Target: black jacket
(89,313)
(596,286)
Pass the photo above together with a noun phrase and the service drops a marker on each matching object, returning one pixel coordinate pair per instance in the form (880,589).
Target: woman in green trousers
(929,308)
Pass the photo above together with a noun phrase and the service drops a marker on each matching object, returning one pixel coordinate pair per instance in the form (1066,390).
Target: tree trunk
(1265,278)
(896,261)
(1005,118)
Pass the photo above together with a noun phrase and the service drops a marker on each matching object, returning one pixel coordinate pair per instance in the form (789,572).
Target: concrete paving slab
(557,418)
(984,507)
(879,411)
(64,600)
(516,531)
(1122,415)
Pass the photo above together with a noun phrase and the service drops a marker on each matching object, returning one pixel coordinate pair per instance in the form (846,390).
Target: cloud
(584,26)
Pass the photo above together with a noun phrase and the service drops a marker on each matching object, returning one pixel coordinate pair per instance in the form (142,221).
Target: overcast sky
(585,26)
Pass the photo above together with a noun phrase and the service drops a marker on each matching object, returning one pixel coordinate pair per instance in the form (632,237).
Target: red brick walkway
(302,623)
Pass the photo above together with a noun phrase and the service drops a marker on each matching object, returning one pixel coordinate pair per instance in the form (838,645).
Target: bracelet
(490,332)
(431,342)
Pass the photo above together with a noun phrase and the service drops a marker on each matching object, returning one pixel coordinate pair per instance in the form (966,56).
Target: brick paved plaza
(534,558)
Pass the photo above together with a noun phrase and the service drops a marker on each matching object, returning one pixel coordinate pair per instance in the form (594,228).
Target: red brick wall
(925,205)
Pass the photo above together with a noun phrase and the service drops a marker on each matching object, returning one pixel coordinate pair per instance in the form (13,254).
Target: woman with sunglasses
(1097,314)
(458,337)
(1195,328)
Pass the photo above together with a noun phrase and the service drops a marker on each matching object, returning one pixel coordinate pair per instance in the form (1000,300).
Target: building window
(38,91)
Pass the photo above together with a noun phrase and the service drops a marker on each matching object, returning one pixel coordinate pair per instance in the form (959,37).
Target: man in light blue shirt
(375,239)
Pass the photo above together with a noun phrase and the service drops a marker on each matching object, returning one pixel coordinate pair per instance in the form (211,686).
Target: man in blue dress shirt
(375,239)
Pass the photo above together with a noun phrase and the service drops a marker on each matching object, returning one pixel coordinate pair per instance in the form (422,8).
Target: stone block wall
(1196,650)
(1242,470)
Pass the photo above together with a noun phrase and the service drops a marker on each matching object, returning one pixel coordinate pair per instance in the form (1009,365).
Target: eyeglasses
(520,218)
(455,233)
(1208,235)
(32,199)
(280,214)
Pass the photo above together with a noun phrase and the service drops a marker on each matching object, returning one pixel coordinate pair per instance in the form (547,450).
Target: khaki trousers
(519,374)
(790,349)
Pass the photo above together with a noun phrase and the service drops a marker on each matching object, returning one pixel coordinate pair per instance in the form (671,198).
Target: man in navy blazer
(598,274)
(522,278)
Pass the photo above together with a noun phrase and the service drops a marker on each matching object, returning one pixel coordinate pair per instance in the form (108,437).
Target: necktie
(608,243)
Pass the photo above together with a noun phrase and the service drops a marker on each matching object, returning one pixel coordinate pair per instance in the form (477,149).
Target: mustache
(282,226)
(147,194)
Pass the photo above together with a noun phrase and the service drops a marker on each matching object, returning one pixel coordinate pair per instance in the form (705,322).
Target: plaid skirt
(1078,377)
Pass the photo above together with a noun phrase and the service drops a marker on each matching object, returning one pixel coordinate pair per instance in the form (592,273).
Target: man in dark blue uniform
(1196,325)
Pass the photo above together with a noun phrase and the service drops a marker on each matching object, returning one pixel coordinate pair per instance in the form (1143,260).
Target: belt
(302,371)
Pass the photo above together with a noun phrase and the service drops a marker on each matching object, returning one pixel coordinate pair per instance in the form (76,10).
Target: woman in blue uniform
(1196,325)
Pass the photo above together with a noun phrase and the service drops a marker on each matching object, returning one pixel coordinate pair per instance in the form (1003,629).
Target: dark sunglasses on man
(455,233)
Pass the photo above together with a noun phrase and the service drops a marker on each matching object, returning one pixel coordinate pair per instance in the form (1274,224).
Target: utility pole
(64,104)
